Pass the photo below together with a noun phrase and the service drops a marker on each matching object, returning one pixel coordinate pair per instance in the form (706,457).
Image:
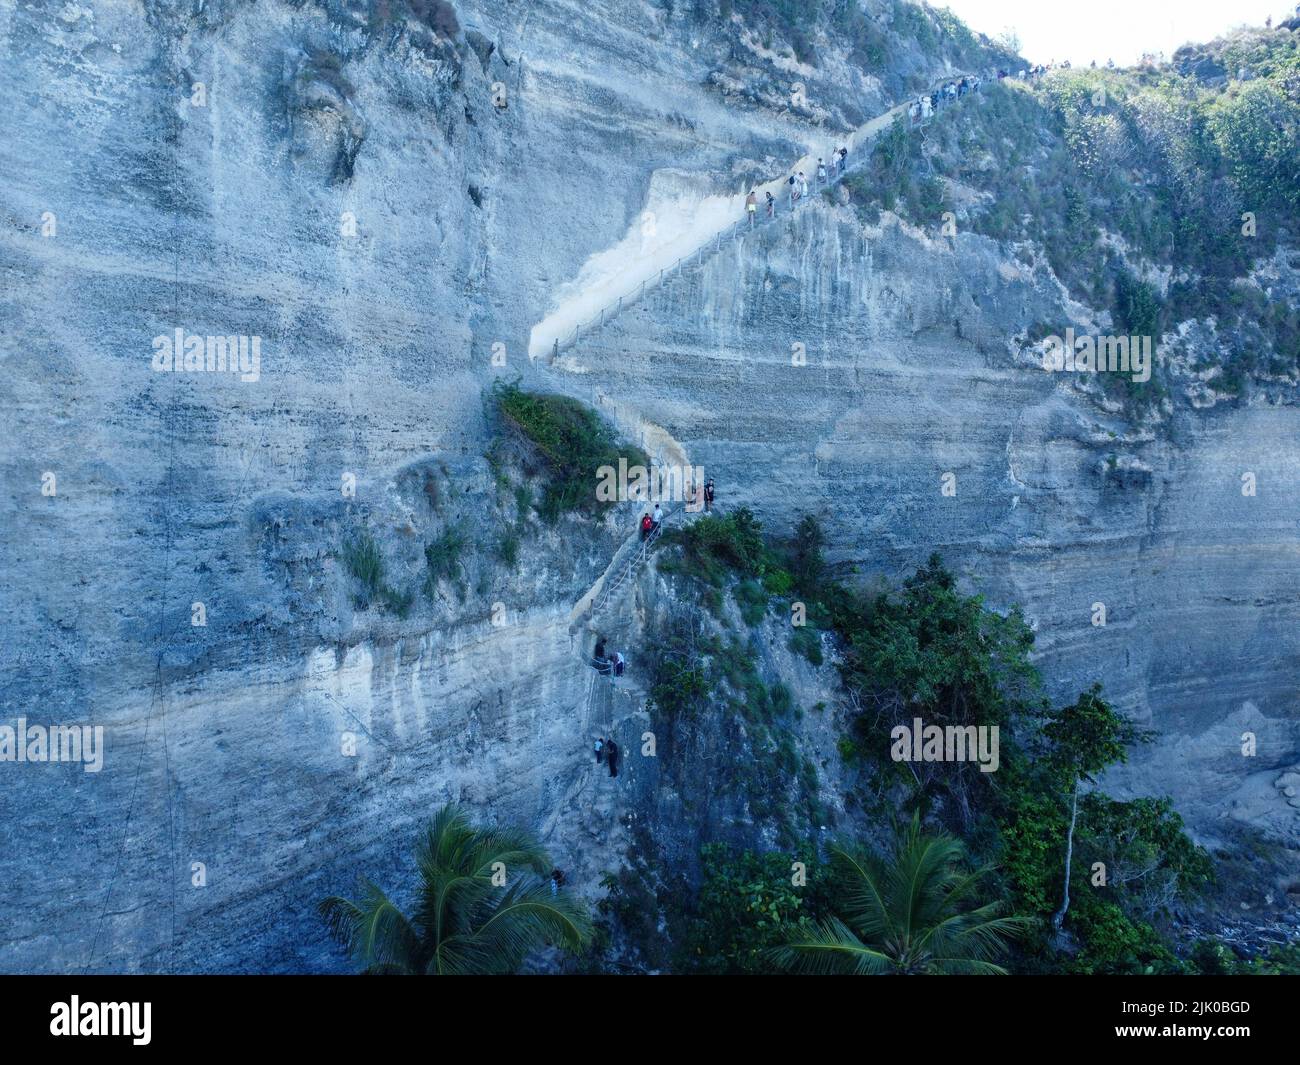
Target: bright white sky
(1084,30)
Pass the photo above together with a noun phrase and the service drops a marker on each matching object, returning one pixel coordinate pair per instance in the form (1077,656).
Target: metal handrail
(637,559)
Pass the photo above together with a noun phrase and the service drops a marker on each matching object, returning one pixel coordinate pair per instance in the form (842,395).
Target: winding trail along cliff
(662,243)
(382,227)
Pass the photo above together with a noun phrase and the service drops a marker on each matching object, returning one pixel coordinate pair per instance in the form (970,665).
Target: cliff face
(914,370)
(384,229)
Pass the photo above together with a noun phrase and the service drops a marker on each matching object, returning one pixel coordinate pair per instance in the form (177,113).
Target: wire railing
(741,225)
(632,564)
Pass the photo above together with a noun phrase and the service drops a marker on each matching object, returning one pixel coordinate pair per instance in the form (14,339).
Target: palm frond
(865,906)
(829,949)
(374,931)
(964,967)
(905,913)
(464,922)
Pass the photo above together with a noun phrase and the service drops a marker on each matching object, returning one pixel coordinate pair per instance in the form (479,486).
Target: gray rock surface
(225,742)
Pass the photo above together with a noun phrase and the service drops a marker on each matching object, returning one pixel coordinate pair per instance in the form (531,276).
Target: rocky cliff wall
(349,194)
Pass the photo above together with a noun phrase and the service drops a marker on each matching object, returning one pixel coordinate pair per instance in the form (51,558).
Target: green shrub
(778,581)
(806,641)
(572,441)
(508,548)
(713,544)
(1279,960)
(751,597)
(365,563)
(746,904)
(1114,943)
(443,555)
(679,686)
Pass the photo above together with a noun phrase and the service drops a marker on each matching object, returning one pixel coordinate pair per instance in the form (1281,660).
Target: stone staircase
(588,806)
(623,567)
(857,142)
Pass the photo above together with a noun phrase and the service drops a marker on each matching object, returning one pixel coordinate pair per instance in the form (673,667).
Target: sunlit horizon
(1118,30)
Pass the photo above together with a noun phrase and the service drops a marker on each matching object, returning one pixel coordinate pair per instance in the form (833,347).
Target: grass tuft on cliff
(572,443)
(365,563)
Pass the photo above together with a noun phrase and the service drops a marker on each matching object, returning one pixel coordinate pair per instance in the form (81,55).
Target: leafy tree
(1150,860)
(914,911)
(464,923)
(1086,737)
(747,904)
(935,653)
(806,562)
(943,652)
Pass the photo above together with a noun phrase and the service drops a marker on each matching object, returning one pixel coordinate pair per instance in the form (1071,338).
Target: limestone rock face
(913,369)
(388,213)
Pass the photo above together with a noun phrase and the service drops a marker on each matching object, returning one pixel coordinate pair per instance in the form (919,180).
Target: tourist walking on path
(611,757)
(751,205)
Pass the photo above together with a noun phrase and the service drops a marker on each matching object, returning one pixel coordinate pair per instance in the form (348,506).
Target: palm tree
(904,914)
(481,907)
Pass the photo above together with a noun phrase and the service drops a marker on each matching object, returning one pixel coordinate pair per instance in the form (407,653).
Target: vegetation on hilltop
(871,39)
(1198,182)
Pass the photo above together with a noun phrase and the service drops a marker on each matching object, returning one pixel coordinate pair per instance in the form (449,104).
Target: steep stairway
(623,567)
(589,804)
(549,344)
